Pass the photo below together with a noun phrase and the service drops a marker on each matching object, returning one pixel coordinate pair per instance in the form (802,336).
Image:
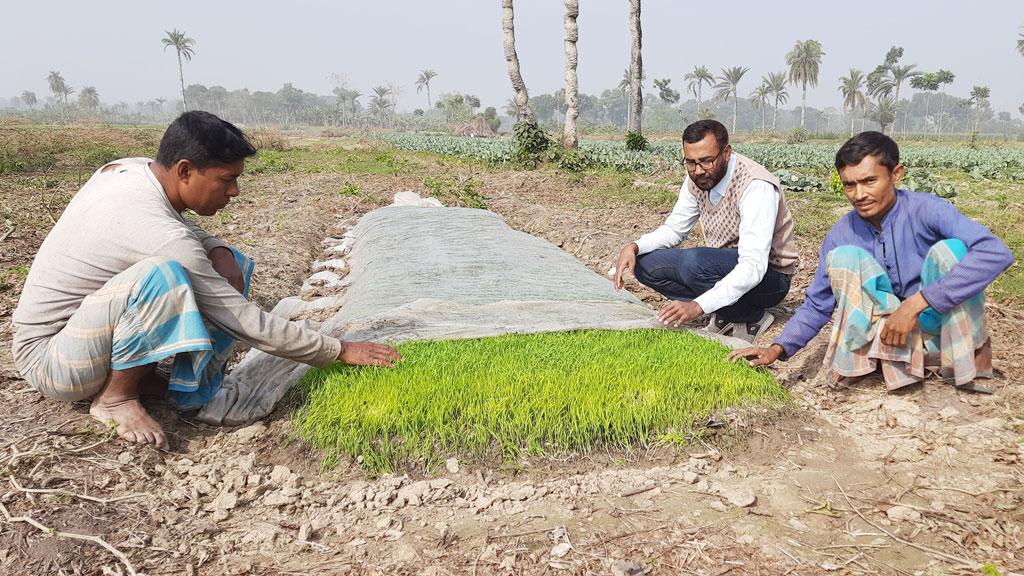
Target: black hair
(866,144)
(204,140)
(699,130)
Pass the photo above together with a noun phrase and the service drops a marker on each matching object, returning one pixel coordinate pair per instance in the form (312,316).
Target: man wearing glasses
(749,252)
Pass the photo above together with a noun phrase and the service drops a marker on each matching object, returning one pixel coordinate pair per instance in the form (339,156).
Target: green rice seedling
(536,394)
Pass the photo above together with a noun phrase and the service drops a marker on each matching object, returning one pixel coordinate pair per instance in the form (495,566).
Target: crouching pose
(905,273)
(124,281)
(749,254)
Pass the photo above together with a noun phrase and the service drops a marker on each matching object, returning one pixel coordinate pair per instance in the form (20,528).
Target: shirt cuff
(644,245)
(788,349)
(937,298)
(708,303)
(329,352)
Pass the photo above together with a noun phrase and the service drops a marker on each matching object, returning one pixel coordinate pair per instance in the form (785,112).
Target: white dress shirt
(759,207)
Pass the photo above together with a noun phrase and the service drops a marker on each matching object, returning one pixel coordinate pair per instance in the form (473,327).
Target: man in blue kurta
(905,273)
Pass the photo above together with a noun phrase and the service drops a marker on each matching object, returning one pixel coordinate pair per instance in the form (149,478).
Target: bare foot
(133,422)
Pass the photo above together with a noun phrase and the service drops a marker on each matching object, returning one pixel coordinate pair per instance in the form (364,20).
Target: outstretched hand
(626,261)
(368,354)
(679,312)
(758,356)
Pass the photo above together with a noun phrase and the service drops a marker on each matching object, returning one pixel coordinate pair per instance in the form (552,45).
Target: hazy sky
(115,45)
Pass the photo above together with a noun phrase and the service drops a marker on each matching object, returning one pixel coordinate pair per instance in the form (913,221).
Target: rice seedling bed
(536,394)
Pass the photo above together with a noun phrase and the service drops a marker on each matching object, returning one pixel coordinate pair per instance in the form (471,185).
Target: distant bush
(635,141)
(268,139)
(573,159)
(530,138)
(797,136)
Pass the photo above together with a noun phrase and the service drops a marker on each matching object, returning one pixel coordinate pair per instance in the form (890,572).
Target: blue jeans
(684,274)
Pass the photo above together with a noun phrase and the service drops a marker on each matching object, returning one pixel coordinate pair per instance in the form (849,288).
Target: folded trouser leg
(864,297)
(140,316)
(960,333)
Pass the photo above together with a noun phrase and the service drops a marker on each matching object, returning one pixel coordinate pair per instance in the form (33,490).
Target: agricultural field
(815,481)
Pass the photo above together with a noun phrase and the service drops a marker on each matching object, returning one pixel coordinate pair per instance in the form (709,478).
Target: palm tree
(777,82)
(759,99)
(57,88)
(511,109)
(381,102)
(900,74)
(512,59)
(624,83)
(853,95)
(572,88)
(29,98)
(636,69)
(728,84)
(979,99)
(804,60)
(883,111)
(423,82)
(696,81)
(89,99)
(183,46)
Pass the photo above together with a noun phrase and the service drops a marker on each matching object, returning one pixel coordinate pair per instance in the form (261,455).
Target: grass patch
(611,185)
(537,394)
(38,147)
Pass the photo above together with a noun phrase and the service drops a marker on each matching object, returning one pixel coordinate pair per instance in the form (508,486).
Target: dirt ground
(848,481)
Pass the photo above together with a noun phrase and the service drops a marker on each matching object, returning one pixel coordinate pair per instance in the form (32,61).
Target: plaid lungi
(864,297)
(140,316)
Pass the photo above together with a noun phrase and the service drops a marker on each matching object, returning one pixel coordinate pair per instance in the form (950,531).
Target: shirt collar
(887,219)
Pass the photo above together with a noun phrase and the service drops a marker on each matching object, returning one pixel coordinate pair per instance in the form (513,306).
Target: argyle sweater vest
(721,222)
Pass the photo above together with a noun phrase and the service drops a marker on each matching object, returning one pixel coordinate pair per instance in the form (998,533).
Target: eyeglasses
(706,164)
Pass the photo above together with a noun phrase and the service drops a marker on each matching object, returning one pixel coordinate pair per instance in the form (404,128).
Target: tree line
(863,96)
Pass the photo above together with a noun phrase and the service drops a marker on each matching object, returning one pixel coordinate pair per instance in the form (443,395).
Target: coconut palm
(728,85)
(883,111)
(510,109)
(901,74)
(58,87)
(381,102)
(29,98)
(979,100)
(183,45)
(512,59)
(89,100)
(696,81)
(853,96)
(759,98)
(804,61)
(572,87)
(776,82)
(636,69)
(423,83)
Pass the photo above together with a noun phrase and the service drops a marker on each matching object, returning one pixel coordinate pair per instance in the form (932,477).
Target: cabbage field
(979,163)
